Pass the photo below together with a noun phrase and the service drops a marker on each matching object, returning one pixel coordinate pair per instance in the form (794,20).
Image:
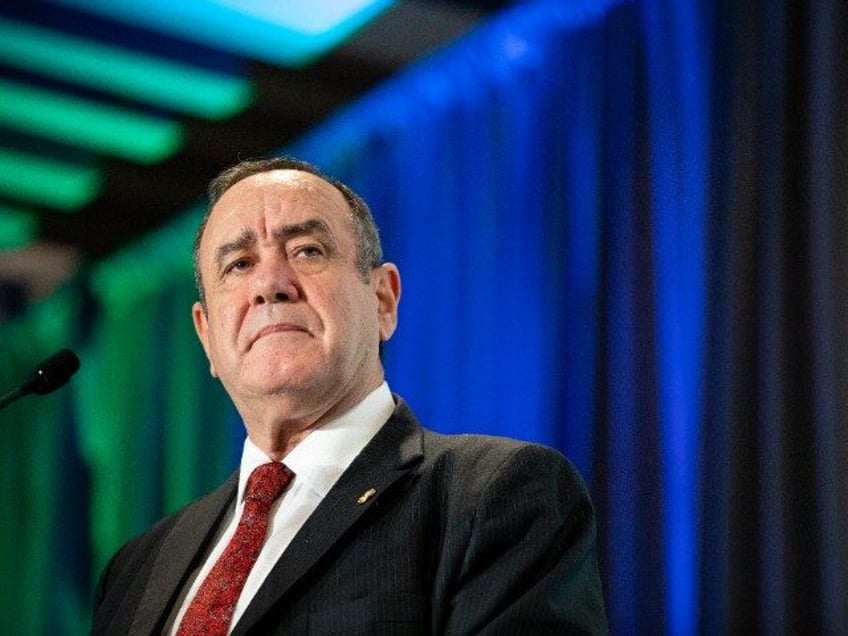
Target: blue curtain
(544,190)
(621,229)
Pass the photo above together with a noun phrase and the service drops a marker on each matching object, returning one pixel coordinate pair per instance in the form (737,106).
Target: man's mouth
(279,328)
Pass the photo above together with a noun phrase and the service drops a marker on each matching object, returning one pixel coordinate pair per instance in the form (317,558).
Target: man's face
(288,315)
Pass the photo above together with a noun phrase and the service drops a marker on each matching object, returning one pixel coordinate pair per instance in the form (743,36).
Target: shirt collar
(323,455)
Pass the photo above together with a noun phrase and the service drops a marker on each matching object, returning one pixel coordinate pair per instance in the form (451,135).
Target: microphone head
(54,372)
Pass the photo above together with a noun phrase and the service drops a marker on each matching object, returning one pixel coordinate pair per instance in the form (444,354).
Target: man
(382,527)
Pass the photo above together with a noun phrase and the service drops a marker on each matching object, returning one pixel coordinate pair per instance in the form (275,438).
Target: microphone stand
(11,396)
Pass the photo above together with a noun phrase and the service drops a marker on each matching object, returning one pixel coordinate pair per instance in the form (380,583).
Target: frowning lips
(280,327)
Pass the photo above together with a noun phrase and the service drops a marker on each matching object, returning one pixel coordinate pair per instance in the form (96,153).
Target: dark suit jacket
(465,535)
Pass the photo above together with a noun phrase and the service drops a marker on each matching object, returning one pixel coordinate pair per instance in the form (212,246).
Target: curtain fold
(621,228)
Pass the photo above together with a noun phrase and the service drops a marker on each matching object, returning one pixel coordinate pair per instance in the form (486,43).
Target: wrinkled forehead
(278,197)
(279,186)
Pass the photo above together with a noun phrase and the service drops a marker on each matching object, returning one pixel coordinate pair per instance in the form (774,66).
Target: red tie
(212,608)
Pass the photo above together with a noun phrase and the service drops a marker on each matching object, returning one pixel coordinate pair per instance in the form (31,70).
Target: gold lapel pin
(364,497)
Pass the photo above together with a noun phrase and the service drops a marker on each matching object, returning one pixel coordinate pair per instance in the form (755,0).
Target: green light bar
(17,228)
(87,124)
(117,71)
(47,182)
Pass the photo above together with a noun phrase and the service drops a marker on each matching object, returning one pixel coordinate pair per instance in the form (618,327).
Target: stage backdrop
(622,230)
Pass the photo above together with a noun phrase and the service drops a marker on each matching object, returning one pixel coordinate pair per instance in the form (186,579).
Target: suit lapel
(390,456)
(185,544)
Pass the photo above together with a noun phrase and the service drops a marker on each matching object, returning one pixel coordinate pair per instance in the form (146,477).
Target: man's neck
(277,424)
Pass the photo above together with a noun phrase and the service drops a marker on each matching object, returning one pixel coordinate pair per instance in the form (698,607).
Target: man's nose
(275,281)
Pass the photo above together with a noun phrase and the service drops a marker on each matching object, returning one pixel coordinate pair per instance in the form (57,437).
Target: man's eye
(309,258)
(308,252)
(237,265)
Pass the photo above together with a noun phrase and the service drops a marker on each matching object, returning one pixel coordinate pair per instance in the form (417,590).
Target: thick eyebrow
(282,235)
(244,240)
(316,227)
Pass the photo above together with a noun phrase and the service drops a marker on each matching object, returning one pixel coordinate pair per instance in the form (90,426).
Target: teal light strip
(17,227)
(282,32)
(86,124)
(117,71)
(47,182)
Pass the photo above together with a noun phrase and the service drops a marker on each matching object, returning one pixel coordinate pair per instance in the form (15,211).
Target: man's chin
(282,382)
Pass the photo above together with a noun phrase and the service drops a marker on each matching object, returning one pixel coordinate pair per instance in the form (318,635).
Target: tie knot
(267,482)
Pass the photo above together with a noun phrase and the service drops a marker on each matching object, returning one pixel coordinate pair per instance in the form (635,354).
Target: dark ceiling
(136,198)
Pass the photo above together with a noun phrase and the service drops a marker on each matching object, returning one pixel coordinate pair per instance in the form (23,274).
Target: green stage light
(86,124)
(47,182)
(150,80)
(17,227)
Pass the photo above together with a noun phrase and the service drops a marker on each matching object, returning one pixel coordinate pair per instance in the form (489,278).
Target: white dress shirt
(317,463)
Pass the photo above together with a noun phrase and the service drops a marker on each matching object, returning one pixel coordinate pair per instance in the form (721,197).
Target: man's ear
(201,328)
(386,280)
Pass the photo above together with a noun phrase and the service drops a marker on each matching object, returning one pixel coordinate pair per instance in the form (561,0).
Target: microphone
(52,373)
